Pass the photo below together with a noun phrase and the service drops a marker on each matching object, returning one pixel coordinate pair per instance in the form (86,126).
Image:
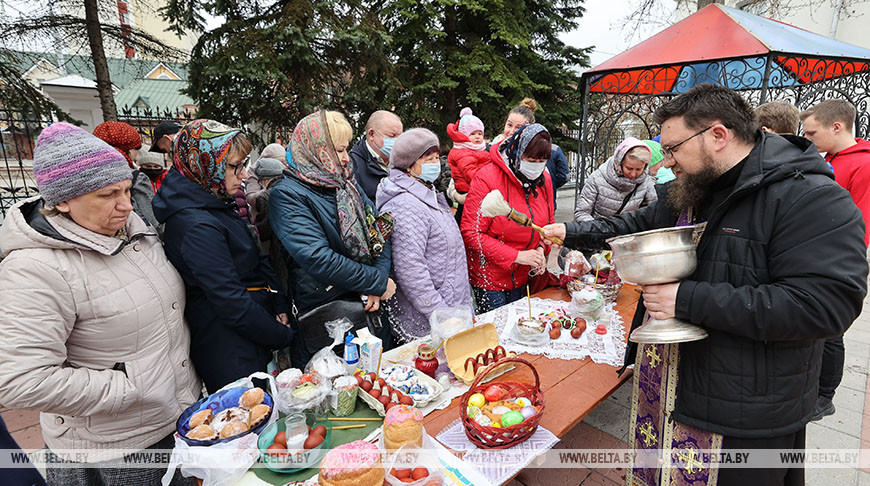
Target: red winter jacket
(852,172)
(492,244)
(464,162)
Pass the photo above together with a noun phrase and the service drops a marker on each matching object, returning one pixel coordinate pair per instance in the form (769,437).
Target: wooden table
(572,388)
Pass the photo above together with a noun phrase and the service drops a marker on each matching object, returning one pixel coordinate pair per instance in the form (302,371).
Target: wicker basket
(503,437)
(609,291)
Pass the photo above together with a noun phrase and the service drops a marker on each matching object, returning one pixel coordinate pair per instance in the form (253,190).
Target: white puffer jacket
(92,333)
(605,190)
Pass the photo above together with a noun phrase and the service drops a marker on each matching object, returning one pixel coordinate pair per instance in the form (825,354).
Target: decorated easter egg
(493,393)
(483,420)
(528,412)
(476,400)
(523,402)
(500,410)
(511,418)
(472,411)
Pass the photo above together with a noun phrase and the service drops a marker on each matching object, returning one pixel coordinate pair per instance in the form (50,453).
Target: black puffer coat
(781,266)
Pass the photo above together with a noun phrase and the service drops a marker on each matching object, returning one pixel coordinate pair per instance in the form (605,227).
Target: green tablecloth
(338,437)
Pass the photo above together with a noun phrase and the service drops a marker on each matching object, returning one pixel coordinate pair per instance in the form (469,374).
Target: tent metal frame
(608,113)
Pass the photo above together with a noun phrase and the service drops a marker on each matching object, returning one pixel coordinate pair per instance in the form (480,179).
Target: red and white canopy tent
(765,59)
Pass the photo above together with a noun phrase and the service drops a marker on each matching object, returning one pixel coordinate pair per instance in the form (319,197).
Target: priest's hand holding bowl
(661,300)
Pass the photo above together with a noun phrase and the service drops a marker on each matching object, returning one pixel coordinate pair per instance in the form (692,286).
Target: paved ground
(607,426)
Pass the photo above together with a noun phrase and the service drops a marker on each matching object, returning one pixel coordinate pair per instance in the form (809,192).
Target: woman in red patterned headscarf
(123,137)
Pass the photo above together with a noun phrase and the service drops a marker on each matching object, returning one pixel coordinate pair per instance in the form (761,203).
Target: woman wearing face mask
(620,185)
(428,253)
(557,164)
(151,164)
(235,315)
(501,254)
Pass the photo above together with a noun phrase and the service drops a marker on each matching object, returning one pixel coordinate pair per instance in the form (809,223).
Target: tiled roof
(154,93)
(122,71)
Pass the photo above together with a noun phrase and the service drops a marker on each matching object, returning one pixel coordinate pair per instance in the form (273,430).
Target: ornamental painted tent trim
(763,59)
(720,45)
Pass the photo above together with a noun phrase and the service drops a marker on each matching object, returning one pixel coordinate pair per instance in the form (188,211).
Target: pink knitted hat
(69,162)
(626,145)
(469,123)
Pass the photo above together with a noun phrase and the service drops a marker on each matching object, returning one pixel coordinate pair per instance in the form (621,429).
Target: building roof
(153,94)
(716,45)
(71,81)
(121,70)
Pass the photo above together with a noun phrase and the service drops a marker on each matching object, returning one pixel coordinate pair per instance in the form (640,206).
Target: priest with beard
(781,267)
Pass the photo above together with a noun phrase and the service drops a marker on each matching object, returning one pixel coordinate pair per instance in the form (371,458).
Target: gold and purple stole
(656,438)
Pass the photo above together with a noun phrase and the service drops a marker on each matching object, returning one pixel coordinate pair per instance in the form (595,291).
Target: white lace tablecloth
(601,348)
(497,465)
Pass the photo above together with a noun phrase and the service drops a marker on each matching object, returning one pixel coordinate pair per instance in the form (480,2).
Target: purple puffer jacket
(429,265)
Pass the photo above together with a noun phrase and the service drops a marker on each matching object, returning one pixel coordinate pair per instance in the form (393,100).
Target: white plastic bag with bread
(224,463)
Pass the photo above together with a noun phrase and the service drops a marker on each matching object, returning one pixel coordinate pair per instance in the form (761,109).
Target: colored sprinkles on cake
(349,458)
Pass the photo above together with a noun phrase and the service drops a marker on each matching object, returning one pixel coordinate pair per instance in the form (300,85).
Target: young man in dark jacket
(781,266)
(371,153)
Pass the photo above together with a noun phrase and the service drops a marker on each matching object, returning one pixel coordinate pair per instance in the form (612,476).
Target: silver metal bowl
(658,256)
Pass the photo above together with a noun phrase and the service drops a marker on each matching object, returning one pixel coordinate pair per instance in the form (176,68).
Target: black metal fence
(19,132)
(144,120)
(20,129)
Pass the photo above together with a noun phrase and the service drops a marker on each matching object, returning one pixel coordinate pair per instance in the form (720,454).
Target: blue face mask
(430,172)
(388,146)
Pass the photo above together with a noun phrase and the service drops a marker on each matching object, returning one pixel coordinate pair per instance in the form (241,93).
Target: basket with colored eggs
(501,415)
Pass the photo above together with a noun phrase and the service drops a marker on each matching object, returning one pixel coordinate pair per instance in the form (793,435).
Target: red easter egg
(493,393)
(419,473)
(313,440)
(281,438)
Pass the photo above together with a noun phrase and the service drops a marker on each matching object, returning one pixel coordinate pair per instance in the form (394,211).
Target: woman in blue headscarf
(235,313)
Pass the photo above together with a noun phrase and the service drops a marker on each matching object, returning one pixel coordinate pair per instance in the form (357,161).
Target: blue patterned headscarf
(514,149)
(201,149)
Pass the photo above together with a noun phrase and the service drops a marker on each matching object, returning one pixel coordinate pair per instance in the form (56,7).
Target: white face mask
(532,170)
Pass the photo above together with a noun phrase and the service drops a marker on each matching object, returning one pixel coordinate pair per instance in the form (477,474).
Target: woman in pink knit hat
(93,326)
